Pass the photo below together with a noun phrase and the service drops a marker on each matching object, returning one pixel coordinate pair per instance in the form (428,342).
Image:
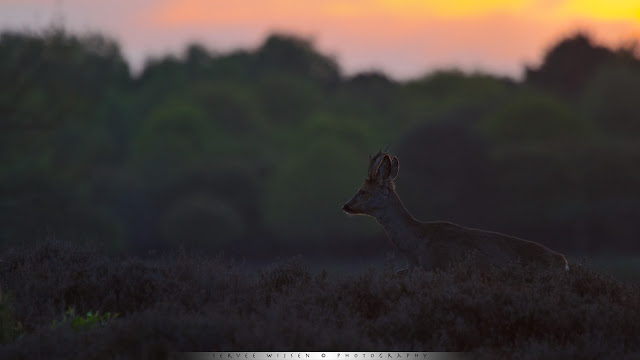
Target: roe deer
(436,245)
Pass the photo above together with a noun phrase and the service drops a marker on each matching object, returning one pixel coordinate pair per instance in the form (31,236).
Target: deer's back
(447,242)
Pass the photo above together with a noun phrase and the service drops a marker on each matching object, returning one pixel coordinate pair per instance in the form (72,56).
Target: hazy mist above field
(402,38)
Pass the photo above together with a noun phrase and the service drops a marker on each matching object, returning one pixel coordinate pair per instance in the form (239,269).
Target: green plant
(79,322)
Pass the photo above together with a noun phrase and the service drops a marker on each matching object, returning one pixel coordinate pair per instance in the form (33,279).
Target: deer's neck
(398,223)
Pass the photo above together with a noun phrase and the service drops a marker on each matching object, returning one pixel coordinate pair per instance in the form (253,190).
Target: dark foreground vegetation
(191,303)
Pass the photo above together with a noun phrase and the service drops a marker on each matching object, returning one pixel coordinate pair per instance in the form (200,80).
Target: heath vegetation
(187,302)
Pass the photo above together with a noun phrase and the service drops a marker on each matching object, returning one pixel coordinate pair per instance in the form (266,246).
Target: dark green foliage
(251,151)
(79,322)
(193,303)
(569,65)
(610,103)
(460,159)
(291,55)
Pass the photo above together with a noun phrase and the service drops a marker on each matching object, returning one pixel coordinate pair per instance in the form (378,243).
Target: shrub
(79,322)
(194,303)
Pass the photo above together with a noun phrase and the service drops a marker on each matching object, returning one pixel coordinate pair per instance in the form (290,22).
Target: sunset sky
(405,38)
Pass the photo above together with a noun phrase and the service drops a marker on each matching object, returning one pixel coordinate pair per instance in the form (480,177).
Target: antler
(375,161)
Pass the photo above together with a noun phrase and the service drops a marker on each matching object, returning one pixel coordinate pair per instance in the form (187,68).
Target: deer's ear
(395,167)
(384,169)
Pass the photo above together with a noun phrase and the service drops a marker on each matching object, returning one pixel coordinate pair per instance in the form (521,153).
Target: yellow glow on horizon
(176,12)
(372,23)
(604,9)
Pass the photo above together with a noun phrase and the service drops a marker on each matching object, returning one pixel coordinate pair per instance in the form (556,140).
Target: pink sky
(405,38)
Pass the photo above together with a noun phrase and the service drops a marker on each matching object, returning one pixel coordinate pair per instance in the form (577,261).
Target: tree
(532,120)
(568,65)
(290,54)
(444,166)
(611,101)
(304,196)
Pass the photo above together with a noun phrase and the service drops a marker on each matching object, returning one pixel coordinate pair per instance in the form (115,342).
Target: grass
(623,267)
(195,303)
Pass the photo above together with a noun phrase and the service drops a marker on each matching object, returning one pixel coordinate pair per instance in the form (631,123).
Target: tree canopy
(258,148)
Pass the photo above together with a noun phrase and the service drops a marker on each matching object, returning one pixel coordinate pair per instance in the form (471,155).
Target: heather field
(145,308)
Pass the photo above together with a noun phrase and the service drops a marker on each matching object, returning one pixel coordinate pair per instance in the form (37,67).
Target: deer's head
(378,185)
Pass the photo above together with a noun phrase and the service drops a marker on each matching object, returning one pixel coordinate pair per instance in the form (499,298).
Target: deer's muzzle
(346,208)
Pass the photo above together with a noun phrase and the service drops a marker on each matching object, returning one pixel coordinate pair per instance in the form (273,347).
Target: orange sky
(402,37)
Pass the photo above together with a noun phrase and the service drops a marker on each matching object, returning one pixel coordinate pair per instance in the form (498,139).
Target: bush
(191,303)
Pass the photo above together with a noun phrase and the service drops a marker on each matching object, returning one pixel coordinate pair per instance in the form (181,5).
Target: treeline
(258,149)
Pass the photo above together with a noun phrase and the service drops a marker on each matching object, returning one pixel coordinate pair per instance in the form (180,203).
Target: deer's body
(432,245)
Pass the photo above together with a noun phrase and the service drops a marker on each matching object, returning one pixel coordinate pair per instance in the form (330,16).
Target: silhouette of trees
(259,148)
(569,65)
(445,170)
(296,56)
(610,101)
